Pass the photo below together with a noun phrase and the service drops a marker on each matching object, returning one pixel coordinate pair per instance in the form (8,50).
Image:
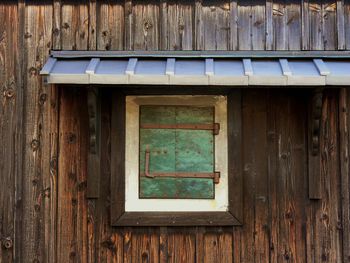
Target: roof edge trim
(199,54)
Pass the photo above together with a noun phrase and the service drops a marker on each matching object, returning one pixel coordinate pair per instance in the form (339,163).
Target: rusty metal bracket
(215,175)
(94,113)
(215,127)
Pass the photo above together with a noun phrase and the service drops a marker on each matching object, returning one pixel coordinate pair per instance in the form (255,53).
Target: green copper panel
(157,114)
(161,143)
(194,151)
(195,115)
(179,188)
(177,150)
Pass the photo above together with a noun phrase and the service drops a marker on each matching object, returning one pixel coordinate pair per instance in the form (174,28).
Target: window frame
(234,214)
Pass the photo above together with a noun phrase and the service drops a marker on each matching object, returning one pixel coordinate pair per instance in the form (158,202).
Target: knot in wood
(35,144)
(7,243)
(9,93)
(181,25)
(56,31)
(27,35)
(33,71)
(42,98)
(53,164)
(71,138)
(65,25)
(147,25)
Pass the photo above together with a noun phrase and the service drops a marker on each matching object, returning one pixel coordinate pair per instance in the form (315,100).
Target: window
(171,168)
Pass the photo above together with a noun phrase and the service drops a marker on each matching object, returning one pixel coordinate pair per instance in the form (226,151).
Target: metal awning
(197,70)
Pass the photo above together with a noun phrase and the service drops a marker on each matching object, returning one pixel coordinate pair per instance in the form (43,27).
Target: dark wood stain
(45,215)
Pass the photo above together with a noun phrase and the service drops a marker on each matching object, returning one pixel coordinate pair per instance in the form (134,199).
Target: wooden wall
(44,215)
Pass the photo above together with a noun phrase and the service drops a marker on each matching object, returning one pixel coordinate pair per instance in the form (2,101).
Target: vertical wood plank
(56,24)
(258,26)
(72,203)
(244,25)
(163,25)
(269,24)
(163,244)
(293,24)
(255,242)
(181,245)
(233,43)
(146,25)
(128,25)
(92,25)
(340,25)
(344,100)
(329,24)
(272,138)
(110,25)
(19,138)
(178,26)
(9,116)
(280,28)
(305,26)
(215,23)
(75,25)
(328,210)
(316,21)
(36,186)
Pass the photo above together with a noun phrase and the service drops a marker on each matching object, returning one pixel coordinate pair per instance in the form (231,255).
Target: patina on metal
(177,152)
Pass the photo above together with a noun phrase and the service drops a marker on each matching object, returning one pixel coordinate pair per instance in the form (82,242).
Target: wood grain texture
(11,88)
(43,169)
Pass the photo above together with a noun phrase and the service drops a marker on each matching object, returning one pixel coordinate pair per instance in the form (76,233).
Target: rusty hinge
(215,127)
(215,175)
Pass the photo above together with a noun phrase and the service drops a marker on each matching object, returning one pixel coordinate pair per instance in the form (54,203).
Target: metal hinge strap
(215,127)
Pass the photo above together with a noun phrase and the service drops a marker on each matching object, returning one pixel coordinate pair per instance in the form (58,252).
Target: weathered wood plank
(75,25)
(128,24)
(280,29)
(344,100)
(110,26)
(272,156)
(9,116)
(316,23)
(269,24)
(178,26)
(293,24)
(56,25)
(19,138)
(72,203)
(92,25)
(233,17)
(328,211)
(38,21)
(340,25)
(215,23)
(258,26)
(181,246)
(145,25)
(244,25)
(305,25)
(329,23)
(255,178)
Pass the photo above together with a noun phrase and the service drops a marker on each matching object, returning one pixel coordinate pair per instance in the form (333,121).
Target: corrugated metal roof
(198,71)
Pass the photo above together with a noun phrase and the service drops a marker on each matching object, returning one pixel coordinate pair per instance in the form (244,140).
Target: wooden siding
(44,215)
